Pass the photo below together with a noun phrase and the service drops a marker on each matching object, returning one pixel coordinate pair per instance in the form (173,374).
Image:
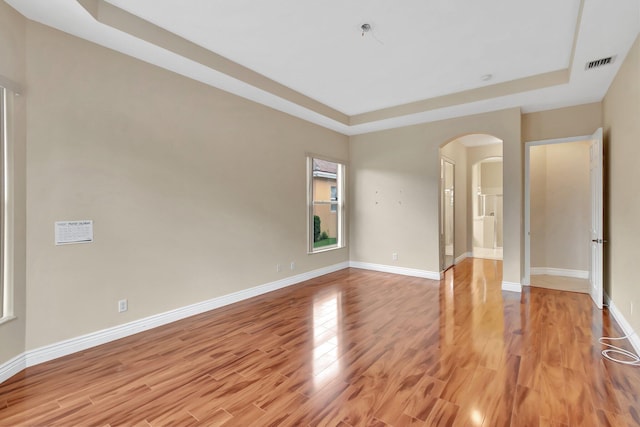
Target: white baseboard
(511,286)
(463,257)
(626,327)
(12,367)
(396,270)
(578,274)
(73,345)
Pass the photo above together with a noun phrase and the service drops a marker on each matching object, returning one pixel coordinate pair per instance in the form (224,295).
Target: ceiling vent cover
(599,62)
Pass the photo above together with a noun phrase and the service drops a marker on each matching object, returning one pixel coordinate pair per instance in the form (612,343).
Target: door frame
(526,280)
(440,198)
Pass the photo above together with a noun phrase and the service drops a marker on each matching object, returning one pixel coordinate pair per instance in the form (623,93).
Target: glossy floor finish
(353,348)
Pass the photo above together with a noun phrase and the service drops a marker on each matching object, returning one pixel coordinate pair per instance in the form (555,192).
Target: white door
(597,240)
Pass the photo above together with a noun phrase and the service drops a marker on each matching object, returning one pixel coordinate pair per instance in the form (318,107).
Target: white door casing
(447,213)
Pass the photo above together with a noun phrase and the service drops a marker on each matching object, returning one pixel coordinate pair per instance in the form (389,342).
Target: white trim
(404,271)
(14,87)
(7,319)
(441,244)
(559,140)
(463,257)
(12,367)
(511,287)
(341,205)
(626,327)
(6,144)
(527,195)
(73,345)
(550,271)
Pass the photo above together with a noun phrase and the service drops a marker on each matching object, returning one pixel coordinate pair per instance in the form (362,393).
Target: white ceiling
(478,139)
(417,50)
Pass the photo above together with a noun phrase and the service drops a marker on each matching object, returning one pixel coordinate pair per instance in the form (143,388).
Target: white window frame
(334,199)
(6,213)
(340,210)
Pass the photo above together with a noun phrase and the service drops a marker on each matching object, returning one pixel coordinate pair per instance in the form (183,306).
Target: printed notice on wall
(68,232)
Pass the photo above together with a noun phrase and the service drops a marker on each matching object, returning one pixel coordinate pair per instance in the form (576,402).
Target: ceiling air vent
(599,62)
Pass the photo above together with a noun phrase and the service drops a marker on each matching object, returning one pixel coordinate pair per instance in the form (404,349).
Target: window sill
(326,249)
(7,319)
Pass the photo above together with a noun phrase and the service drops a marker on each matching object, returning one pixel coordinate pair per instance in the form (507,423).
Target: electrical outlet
(394,256)
(293,265)
(123,305)
(278,268)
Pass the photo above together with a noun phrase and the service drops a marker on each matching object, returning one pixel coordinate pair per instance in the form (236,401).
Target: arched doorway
(456,196)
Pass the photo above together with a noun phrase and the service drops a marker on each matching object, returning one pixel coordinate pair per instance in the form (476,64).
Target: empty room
(358,213)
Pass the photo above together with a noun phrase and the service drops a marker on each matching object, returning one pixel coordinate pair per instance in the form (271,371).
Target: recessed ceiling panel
(415,49)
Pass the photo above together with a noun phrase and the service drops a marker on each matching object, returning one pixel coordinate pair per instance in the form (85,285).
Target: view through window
(326,207)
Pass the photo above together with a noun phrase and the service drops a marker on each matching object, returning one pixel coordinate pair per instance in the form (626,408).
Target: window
(326,204)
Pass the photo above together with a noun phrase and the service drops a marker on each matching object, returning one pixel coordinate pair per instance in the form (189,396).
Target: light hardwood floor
(353,348)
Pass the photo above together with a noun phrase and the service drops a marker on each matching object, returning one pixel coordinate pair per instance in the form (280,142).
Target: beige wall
(394,186)
(491,177)
(560,206)
(621,109)
(537,205)
(171,171)
(12,67)
(562,123)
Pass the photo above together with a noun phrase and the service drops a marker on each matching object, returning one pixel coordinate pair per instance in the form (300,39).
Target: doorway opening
(461,159)
(486,182)
(563,215)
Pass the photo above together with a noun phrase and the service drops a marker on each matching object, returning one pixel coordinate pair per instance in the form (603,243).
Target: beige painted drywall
(538,204)
(560,206)
(194,193)
(394,186)
(621,109)
(458,153)
(566,122)
(12,67)
(491,177)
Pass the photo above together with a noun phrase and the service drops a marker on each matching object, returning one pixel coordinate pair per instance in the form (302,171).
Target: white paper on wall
(68,232)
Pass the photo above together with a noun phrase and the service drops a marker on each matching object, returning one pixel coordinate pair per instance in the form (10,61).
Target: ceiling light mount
(365,28)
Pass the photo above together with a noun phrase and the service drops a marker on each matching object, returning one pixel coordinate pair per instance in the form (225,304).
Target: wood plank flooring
(353,348)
